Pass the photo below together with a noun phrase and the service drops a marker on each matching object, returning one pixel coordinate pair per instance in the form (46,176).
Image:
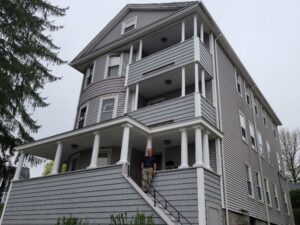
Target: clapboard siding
(92,194)
(179,187)
(208,111)
(177,55)
(206,59)
(212,187)
(178,109)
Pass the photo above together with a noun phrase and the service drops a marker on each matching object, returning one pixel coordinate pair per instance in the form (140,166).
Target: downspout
(259,157)
(221,127)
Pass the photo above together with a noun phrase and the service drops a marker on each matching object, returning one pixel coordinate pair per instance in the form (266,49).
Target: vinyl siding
(212,187)
(206,58)
(237,152)
(208,111)
(92,194)
(179,54)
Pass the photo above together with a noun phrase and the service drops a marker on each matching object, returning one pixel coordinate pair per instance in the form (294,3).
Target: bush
(71,221)
(138,219)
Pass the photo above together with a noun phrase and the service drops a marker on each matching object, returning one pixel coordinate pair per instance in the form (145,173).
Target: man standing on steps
(148,167)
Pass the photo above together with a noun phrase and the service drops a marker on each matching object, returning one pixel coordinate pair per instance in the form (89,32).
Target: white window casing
(286,203)
(259,186)
(277,206)
(264,118)
(249,181)
(278,161)
(269,152)
(129,25)
(247,95)
(243,126)
(260,143)
(89,75)
(274,129)
(113,67)
(256,108)
(83,111)
(238,82)
(267,192)
(252,135)
(107,108)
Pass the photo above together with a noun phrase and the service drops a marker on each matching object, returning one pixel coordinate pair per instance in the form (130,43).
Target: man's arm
(154,168)
(142,166)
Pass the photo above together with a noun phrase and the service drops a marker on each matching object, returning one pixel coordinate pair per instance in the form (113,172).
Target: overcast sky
(264,33)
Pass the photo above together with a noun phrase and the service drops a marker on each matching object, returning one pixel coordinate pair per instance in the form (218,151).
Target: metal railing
(158,198)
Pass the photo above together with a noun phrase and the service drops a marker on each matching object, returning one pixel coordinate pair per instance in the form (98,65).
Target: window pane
(113,71)
(108,105)
(106,116)
(114,60)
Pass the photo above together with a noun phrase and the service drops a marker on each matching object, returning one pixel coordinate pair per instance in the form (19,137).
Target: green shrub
(138,219)
(295,198)
(71,221)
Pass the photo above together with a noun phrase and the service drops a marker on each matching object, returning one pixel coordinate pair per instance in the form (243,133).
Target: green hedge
(295,198)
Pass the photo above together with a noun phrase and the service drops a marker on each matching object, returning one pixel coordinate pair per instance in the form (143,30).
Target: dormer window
(129,25)
(89,74)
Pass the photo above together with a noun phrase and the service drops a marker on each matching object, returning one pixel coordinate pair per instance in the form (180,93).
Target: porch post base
(121,162)
(183,166)
(91,167)
(198,164)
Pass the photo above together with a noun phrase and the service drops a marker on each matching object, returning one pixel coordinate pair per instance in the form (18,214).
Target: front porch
(124,140)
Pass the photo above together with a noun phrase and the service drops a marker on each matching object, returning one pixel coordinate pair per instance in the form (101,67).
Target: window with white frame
(113,65)
(249,181)
(82,117)
(129,25)
(252,135)
(256,106)
(276,197)
(243,126)
(267,191)
(259,186)
(107,108)
(264,118)
(260,143)
(278,161)
(286,203)
(269,152)
(89,74)
(238,81)
(247,91)
(274,128)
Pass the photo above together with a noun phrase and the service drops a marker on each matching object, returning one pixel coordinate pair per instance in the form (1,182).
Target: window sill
(251,197)
(245,140)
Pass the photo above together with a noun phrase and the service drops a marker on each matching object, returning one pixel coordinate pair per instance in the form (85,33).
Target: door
(104,157)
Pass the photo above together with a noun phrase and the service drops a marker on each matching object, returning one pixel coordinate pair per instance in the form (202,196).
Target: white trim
(260,146)
(275,190)
(107,64)
(238,80)
(116,99)
(267,190)
(121,64)
(251,125)
(201,196)
(85,116)
(247,94)
(87,72)
(259,184)
(286,203)
(241,114)
(269,151)
(134,21)
(250,179)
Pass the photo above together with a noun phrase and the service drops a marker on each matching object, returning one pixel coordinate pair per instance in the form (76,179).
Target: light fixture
(168,82)
(167,141)
(164,39)
(74,146)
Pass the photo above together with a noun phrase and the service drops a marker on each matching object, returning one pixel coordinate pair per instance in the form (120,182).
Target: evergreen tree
(26,51)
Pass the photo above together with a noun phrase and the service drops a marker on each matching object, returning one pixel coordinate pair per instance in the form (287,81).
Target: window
(258,182)
(274,128)
(129,25)
(104,157)
(238,80)
(267,191)
(269,152)
(260,143)
(256,107)
(248,99)
(89,74)
(113,65)
(243,126)
(286,203)
(276,196)
(264,117)
(278,161)
(252,135)
(74,162)
(107,108)
(82,116)
(249,181)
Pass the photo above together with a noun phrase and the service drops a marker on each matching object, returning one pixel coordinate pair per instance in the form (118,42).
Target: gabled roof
(129,7)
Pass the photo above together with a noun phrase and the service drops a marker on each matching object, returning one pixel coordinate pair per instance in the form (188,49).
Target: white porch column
(56,165)
(218,155)
(130,54)
(206,149)
(136,98)
(202,32)
(197,94)
(126,100)
(19,167)
(198,147)
(203,90)
(184,148)
(125,144)
(183,31)
(211,42)
(140,50)
(195,25)
(183,81)
(95,152)
(196,77)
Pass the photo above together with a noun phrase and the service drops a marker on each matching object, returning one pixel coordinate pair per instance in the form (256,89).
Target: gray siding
(212,187)
(237,152)
(208,111)
(206,58)
(178,109)
(165,60)
(180,188)
(92,194)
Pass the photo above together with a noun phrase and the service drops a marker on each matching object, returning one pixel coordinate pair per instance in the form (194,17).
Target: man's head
(149,151)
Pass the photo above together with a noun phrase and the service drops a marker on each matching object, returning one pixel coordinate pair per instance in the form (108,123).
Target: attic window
(129,25)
